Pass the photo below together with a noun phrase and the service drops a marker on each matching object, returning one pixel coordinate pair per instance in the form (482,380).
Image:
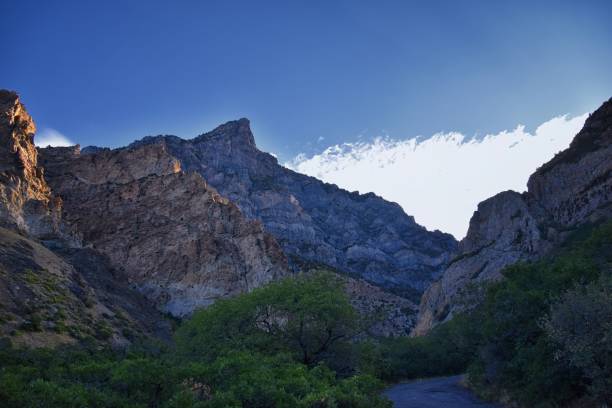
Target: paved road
(434,393)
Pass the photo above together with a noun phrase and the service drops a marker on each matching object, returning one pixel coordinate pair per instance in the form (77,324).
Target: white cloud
(440,180)
(51,137)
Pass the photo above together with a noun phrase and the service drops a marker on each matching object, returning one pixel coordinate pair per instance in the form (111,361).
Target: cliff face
(576,185)
(315,223)
(26,202)
(572,189)
(177,240)
(59,293)
(154,210)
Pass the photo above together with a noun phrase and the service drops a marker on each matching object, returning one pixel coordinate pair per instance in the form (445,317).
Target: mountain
(59,292)
(191,221)
(572,189)
(314,222)
(177,240)
(184,245)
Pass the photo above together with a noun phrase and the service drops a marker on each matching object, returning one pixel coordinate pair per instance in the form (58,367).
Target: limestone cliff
(179,242)
(184,245)
(149,220)
(572,189)
(26,202)
(315,223)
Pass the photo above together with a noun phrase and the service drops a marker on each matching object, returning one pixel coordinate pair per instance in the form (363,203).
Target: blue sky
(321,81)
(308,74)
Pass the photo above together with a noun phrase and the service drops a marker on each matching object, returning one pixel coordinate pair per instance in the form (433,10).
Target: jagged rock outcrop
(314,222)
(572,189)
(26,202)
(179,242)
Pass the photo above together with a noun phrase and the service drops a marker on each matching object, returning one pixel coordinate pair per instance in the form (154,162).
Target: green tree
(308,316)
(580,323)
(516,356)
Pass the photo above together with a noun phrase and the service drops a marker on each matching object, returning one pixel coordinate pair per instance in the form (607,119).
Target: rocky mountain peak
(315,223)
(237,132)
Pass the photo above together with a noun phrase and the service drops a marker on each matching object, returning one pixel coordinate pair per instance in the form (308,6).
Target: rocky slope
(314,222)
(572,189)
(61,292)
(66,295)
(179,242)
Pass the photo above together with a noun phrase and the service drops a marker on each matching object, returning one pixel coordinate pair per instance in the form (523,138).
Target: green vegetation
(447,350)
(309,318)
(542,337)
(290,344)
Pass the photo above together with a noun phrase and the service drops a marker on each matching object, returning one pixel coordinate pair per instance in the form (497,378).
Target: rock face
(148,217)
(315,223)
(26,202)
(572,189)
(61,292)
(154,210)
(179,242)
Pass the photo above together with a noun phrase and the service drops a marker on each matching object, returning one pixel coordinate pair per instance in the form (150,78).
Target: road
(434,393)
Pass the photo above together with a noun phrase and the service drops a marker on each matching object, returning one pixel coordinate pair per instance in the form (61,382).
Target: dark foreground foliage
(274,347)
(542,337)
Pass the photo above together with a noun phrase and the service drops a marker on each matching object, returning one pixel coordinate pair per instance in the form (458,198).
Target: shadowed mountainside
(315,222)
(572,189)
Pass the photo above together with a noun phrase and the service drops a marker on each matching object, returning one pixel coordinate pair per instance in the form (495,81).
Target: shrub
(580,324)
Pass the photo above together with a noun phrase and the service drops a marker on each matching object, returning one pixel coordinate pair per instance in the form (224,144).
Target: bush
(270,348)
(580,325)
(447,350)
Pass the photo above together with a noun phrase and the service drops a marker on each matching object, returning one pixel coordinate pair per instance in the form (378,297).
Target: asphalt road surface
(434,393)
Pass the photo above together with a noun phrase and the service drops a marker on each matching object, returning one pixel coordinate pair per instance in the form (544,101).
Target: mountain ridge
(389,248)
(184,222)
